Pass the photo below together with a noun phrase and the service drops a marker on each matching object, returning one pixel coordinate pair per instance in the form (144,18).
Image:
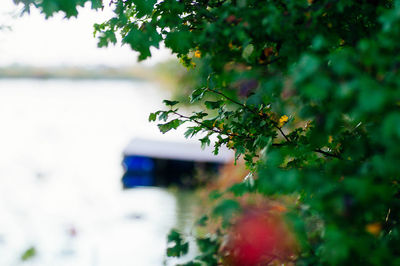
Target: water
(60,190)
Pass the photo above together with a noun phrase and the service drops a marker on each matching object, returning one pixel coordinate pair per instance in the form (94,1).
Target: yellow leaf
(197,54)
(283,120)
(230,144)
(373,228)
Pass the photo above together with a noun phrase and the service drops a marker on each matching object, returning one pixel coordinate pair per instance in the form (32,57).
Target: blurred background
(68,110)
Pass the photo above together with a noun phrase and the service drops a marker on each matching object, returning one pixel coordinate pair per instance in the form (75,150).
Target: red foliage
(260,237)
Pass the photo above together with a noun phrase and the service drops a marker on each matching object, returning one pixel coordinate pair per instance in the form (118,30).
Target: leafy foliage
(30,253)
(49,7)
(178,247)
(306,91)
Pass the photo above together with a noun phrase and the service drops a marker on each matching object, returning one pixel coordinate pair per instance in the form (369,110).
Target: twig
(228,98)
(202,124)
(250,109)
(220,131)
(248,138)
(283,134)
(327,153)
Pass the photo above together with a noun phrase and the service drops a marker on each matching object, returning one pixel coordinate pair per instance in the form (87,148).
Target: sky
(33,40)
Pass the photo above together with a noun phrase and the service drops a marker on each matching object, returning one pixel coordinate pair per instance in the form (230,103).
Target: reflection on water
(60,190)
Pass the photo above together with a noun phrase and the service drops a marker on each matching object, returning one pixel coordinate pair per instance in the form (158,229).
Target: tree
(306,91)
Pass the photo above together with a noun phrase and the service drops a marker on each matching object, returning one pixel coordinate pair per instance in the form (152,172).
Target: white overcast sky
(33,40)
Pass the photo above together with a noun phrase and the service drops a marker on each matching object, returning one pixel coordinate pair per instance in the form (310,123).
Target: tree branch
(328,154)
(246,137)
(249,109)
(220,131)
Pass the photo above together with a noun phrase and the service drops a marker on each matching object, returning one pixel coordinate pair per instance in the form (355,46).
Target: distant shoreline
(166,74)
(78,73)
(72,78)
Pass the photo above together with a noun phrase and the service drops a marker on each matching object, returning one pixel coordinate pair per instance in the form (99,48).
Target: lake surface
(61,147)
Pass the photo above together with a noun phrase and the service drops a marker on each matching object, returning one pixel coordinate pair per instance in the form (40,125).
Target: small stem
(327,153)
(387,216)
(206,126)
(283,134)
(248,138)
(200,123)
(228,98)
(219,131)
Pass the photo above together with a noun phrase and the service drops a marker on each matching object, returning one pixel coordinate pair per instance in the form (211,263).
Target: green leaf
(207,246)
(191,131)
(178,248)
(173,124)
(170,103)
(191,263)
(67,6)
(307,67)
(163,116)
(139,41)
(213,105)
(152,117)
(144,7)
(180,42)
(205,142)
(215,194)
(96,4)
(174,236)
(105,38)
(28,254)
(240,149)
(247,185)
(226,209)
(202,221)
(198,115)
(197,95)
(239,189)
(262,141)
(372,98)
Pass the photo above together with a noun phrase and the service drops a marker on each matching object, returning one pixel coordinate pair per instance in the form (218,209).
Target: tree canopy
(306,91)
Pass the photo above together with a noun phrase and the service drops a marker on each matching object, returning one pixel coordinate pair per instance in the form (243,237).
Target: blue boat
(162,163)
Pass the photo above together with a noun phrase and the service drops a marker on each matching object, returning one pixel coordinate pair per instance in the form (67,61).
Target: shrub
(306,91)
